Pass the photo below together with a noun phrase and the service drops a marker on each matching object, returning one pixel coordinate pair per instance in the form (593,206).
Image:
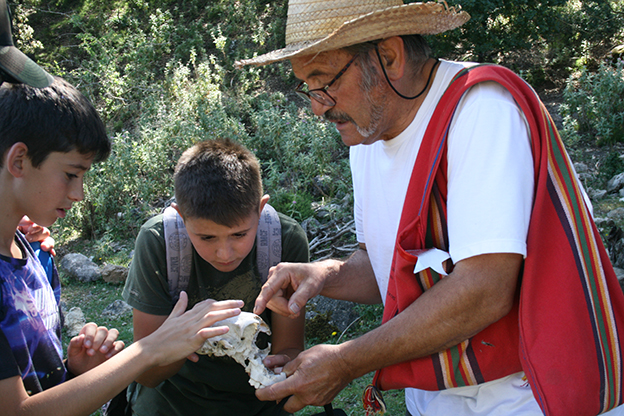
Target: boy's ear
(177,208)
(263,202)
(16,157)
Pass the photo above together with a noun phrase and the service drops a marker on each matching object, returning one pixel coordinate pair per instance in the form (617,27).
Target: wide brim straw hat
(13,62)
(315,26)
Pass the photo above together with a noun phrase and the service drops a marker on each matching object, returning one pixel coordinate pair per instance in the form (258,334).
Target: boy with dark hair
(49,138)
(218,190)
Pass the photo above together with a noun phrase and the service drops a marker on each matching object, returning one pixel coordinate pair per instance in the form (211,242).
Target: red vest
(565,329)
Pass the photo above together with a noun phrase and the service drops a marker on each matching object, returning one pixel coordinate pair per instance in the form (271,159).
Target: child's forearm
(81,395)
(156,375)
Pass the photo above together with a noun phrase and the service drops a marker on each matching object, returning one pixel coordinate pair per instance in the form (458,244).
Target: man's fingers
(269,290)
(293,404)
(276,391)
(279,305)
(298,300)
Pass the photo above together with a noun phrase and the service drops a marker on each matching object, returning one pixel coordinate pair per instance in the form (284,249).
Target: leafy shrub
(593,107)
(610,166)
(543,39)
(136,180)
(297,150)
(161,74)
(294,148)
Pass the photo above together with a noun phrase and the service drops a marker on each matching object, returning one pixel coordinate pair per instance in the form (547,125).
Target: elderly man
(425,132)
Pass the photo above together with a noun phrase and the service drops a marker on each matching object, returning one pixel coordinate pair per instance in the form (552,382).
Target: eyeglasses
(320,94)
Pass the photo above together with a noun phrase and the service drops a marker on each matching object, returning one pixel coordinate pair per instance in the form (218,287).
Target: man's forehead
(318,64)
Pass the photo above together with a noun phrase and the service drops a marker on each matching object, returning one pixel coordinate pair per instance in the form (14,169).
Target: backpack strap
(268,241)
(180,250)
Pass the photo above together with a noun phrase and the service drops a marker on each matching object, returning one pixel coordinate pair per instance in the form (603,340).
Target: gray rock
(580,167)
(80,267)
(342,312)
(616,214)
(117,309)
(597,193)
(112,273)
(74,321)
(616,183)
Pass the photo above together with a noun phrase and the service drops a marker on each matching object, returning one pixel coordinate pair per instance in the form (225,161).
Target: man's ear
(263,202)
(392,53)
(16,158)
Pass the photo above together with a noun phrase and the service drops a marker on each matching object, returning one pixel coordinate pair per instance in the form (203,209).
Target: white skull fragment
(240,344)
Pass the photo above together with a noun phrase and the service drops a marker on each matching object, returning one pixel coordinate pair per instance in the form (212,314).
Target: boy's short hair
(218,180)
(57,118)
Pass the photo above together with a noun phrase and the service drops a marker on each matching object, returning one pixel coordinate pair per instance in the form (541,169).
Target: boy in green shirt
(218,190)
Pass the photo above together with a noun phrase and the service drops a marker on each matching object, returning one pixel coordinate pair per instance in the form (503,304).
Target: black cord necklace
(437,61)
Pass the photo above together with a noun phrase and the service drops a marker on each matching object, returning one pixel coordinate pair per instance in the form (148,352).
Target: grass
(94,297)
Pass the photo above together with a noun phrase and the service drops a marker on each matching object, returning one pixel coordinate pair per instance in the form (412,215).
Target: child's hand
(35,232)
(183,333)
(91,347)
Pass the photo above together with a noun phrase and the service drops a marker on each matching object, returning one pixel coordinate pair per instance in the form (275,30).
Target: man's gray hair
(417,52)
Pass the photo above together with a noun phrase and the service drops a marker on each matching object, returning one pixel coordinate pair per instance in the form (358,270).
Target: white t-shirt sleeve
(490,175)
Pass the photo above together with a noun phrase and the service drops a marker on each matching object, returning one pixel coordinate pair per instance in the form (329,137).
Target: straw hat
(315,26)
(18,68)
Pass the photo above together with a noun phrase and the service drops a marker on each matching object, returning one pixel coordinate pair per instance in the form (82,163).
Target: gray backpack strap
(179,252)
(268,241)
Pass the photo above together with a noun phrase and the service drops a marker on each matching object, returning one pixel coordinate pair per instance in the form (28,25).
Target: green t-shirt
(214,385)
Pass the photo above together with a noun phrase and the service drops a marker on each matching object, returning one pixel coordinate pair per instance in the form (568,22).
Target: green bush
(593,108)
(543,39)
(136,180)
(161,74)
(294,147)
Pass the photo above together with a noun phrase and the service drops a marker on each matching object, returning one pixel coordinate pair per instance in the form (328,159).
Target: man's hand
(291,285)
(35,232)
(91,347)
(306,280)
(315,377)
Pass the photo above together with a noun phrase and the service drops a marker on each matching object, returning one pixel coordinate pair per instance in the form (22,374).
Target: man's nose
(318,108)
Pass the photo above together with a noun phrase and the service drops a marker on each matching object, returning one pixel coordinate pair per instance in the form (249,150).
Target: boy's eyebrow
(212,235)
(79,166)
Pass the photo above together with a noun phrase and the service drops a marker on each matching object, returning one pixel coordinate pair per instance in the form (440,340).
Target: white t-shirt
(490,194)
(490,177)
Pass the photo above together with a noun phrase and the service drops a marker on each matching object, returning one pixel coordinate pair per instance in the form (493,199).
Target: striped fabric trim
(456,366)
(568,201)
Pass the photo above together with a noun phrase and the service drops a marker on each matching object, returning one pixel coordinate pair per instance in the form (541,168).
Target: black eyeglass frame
(320,94)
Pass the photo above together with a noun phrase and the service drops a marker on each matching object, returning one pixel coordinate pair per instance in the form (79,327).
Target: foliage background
(161,74)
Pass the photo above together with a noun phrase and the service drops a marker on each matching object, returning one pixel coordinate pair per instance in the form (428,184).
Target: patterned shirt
(30,323)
